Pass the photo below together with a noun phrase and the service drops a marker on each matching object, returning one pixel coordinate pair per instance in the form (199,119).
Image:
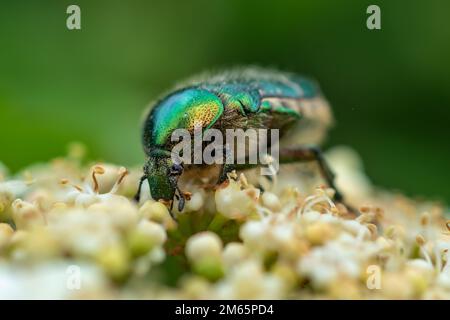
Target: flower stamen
(67,182)
(97,170)
(420,240)
(123,172)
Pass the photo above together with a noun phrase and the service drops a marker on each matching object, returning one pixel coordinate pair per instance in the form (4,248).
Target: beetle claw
(182,197)
(181,204)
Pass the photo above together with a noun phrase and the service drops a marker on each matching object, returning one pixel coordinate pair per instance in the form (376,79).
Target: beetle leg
(137,197)
(290,155)
(171,209)
(228,167)
(312,153)
(182,200)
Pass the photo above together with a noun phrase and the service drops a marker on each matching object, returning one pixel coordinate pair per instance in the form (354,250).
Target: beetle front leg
(226,167)
(229,167)
(311,153)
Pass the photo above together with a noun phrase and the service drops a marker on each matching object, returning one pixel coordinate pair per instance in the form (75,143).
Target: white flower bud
(195,203)
(203,245)
(311,216)
(154,231)
(253,233)
(233,202)
(6,233)
(86,199)
(271,201)
(234,253)
(26,215)
(154,211)
(444,280)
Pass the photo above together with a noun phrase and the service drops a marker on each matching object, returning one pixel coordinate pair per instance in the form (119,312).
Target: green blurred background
(389,88)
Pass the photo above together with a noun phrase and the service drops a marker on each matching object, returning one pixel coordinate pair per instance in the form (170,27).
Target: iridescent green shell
(186,109)
(242,98)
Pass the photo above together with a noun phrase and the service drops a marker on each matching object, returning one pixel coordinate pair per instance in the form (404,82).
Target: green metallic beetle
(240,98)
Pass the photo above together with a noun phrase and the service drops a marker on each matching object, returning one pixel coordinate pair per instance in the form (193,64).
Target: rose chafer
(237,99)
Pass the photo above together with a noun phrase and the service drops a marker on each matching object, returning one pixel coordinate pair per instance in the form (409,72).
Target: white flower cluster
(67,231)
(85,225)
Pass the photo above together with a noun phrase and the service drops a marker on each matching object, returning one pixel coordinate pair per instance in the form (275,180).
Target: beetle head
(162,175)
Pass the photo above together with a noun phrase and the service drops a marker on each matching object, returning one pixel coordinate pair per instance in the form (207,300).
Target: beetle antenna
(137,197)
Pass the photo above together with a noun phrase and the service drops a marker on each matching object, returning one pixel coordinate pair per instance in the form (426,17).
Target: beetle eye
(176,169)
